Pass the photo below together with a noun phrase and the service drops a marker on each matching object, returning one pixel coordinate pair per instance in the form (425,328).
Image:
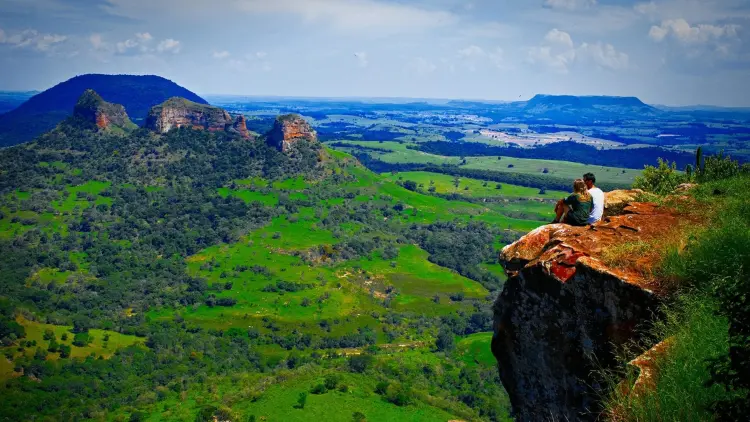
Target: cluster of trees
(565,151)
(460,246)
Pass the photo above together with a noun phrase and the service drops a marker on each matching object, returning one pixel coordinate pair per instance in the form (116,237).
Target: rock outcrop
(290,129)
(240,127)
(106,116)
(563,312)
(178,112)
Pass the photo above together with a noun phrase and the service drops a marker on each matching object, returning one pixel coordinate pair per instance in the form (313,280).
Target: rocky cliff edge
(563,312)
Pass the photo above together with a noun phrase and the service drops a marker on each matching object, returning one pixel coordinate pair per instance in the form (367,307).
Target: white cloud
(32,39)
(648,9)
(657,33)
(221,55)
(421,66)
(169,46)
(681,30)
(97,42)
(473,55)
(362,59)
(558,52)
(569,4)
(355,15)
(604,55)
(471,51)
(141,44)
(556,36)
(261,55)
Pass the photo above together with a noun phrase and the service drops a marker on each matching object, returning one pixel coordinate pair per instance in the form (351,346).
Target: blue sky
(663,51)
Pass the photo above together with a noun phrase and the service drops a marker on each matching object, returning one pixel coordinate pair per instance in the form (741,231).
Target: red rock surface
(290,129)
(563,312)
(240,126)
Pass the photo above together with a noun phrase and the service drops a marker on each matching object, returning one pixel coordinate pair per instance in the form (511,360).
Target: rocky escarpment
(106,116)
(290,129)
(179,112)
(563,313)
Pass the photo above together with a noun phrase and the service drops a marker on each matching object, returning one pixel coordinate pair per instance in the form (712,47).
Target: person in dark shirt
(575,209)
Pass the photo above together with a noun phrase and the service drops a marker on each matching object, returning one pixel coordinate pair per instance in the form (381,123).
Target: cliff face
(563,312)
(179,112)
(93,109)
(290,129)
(240,127)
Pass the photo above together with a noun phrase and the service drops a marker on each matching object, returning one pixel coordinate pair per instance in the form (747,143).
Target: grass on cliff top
(713,270)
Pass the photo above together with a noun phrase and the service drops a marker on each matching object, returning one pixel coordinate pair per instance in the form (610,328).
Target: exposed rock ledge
(563,313)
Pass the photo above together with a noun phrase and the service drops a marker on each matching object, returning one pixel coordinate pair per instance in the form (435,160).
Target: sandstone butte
(92,108)
(563,313)
(178,112)
(290,129)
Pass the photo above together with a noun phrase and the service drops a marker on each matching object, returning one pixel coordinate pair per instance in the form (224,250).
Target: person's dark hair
(589,177)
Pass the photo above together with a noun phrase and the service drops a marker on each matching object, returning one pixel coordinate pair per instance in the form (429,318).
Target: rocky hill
(290,129)
(45,110)
(564,311)
(106,116)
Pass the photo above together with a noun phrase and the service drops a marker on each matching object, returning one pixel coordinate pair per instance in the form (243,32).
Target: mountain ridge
(42,112)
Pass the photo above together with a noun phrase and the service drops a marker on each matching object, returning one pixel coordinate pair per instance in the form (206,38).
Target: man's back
(597,210)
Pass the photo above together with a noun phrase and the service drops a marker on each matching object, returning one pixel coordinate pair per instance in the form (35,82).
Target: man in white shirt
(597,196)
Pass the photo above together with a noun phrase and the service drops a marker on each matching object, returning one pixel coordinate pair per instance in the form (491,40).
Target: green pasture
(475,350)
(399,153)
(97,346)
(91,187)
(445,184)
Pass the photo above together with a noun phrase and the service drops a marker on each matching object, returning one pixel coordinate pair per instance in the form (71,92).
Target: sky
(675,52)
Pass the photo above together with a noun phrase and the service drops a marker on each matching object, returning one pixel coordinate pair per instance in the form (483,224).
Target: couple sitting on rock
(585,206)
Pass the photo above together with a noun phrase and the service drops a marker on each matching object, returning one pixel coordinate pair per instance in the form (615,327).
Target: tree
(360,363)
(456,182)
(64,350)
(359,417)
(446,341)
(410,185)
(301,401)
(331,381)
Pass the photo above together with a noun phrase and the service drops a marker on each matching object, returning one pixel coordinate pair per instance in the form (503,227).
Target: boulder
(288,130)
(563,313)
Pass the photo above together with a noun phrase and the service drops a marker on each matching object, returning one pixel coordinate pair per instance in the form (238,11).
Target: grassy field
(475,350)
(97,346)
(399,153)
(474,188)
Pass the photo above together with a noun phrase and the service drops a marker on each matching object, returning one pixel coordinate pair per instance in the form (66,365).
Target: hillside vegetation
(196,275)
(704,371)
